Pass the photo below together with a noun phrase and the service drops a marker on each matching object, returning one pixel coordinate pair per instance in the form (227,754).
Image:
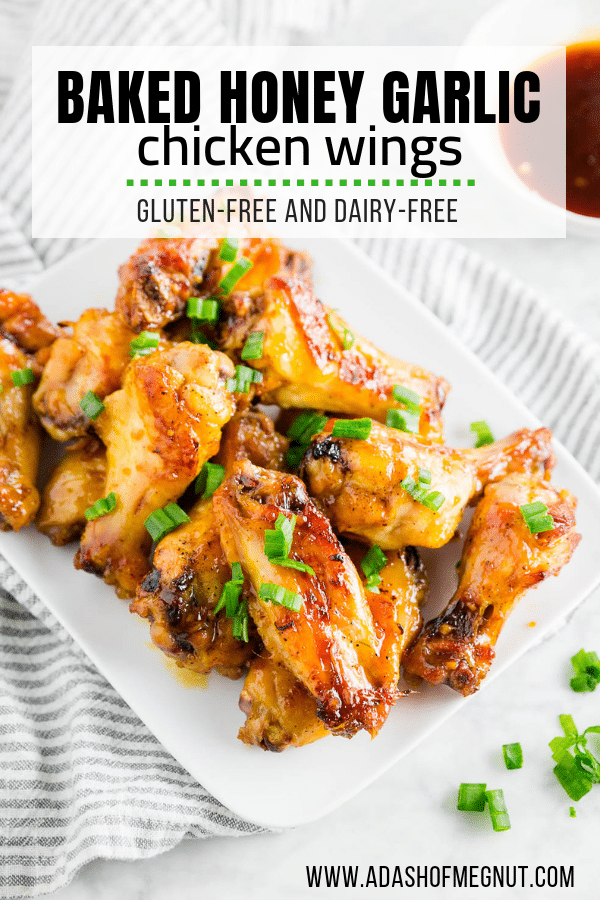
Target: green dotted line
(301,182)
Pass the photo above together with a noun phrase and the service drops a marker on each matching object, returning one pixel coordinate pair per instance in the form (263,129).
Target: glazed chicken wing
(159,278)
(331,644)
(19,443)
(180,593)
(159,429)
(22,322)
(76,483)
(311,358)
(501,560)
(93,359)
(358,483)
(189,568)
(280,710)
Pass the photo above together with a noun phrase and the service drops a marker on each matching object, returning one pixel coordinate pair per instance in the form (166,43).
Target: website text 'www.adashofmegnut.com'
(431,876)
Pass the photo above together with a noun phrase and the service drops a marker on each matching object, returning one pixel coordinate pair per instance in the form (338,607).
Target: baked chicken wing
(501,560)
(22,322)
(189,568)
(92,359)
(280,711)
(75,484)
(180,593)
(19,443)
(159,429)
(311,359)
(358,483)
(331,644)
(159,278)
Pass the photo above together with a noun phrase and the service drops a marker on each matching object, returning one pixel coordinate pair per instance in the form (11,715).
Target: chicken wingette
(280,710)
(159,278)
(19,441)
(179,595)
(92,359)
(501,560)
(189,571)
(22,322)
(159,429)
(331,644)
(311,359)
(361,485)
(75,484)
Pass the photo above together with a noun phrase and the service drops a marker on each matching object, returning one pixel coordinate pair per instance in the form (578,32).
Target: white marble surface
(408,816)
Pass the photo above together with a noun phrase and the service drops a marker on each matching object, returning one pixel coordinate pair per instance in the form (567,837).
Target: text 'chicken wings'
(501,560)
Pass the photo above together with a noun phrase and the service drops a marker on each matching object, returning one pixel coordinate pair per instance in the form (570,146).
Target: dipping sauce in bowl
(528,147)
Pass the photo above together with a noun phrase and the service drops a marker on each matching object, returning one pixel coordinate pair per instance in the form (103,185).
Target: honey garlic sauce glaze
(529,148)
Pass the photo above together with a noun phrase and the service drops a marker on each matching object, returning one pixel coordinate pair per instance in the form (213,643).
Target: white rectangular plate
(198,725)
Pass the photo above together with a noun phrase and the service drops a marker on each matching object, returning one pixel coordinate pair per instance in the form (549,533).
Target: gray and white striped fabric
(80,776)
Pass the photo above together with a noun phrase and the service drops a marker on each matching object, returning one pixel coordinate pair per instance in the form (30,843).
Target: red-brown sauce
(528,147)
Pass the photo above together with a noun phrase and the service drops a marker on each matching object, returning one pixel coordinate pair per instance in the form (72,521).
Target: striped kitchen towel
(80,776)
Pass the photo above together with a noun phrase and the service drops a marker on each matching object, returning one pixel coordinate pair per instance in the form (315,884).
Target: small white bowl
(515,23)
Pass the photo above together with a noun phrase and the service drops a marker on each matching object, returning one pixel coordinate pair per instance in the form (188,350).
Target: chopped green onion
(292,564)
(587,671)
(21,377)
(301,431)
(498,810)
(410,400)
(572,812)
(146,342)
(243,378)
(484,435)
(513,756)
(228,251)
(424,476)
(359,429)
(305,426)
(162,521)
(430,499)
(576,769)
(253,348)
(204,309)
(91,405)
(537,517)
(280,596)
(278,543)
(237,576)
(348,339)
(235,609)
(471,797)
(372,563)
(403,420)
(101,507)
(573,781)
(210,478)
(239,627)
(236,272)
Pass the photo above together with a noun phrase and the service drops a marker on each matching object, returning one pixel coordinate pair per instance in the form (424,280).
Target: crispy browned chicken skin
(76,483)
(332,645)
(280,710)
(305,364)
(159,429)
(92,359)
(158,279)
(501,560)
(22,322)
(19,443)
(180,593)
(357,483)
(189,567)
